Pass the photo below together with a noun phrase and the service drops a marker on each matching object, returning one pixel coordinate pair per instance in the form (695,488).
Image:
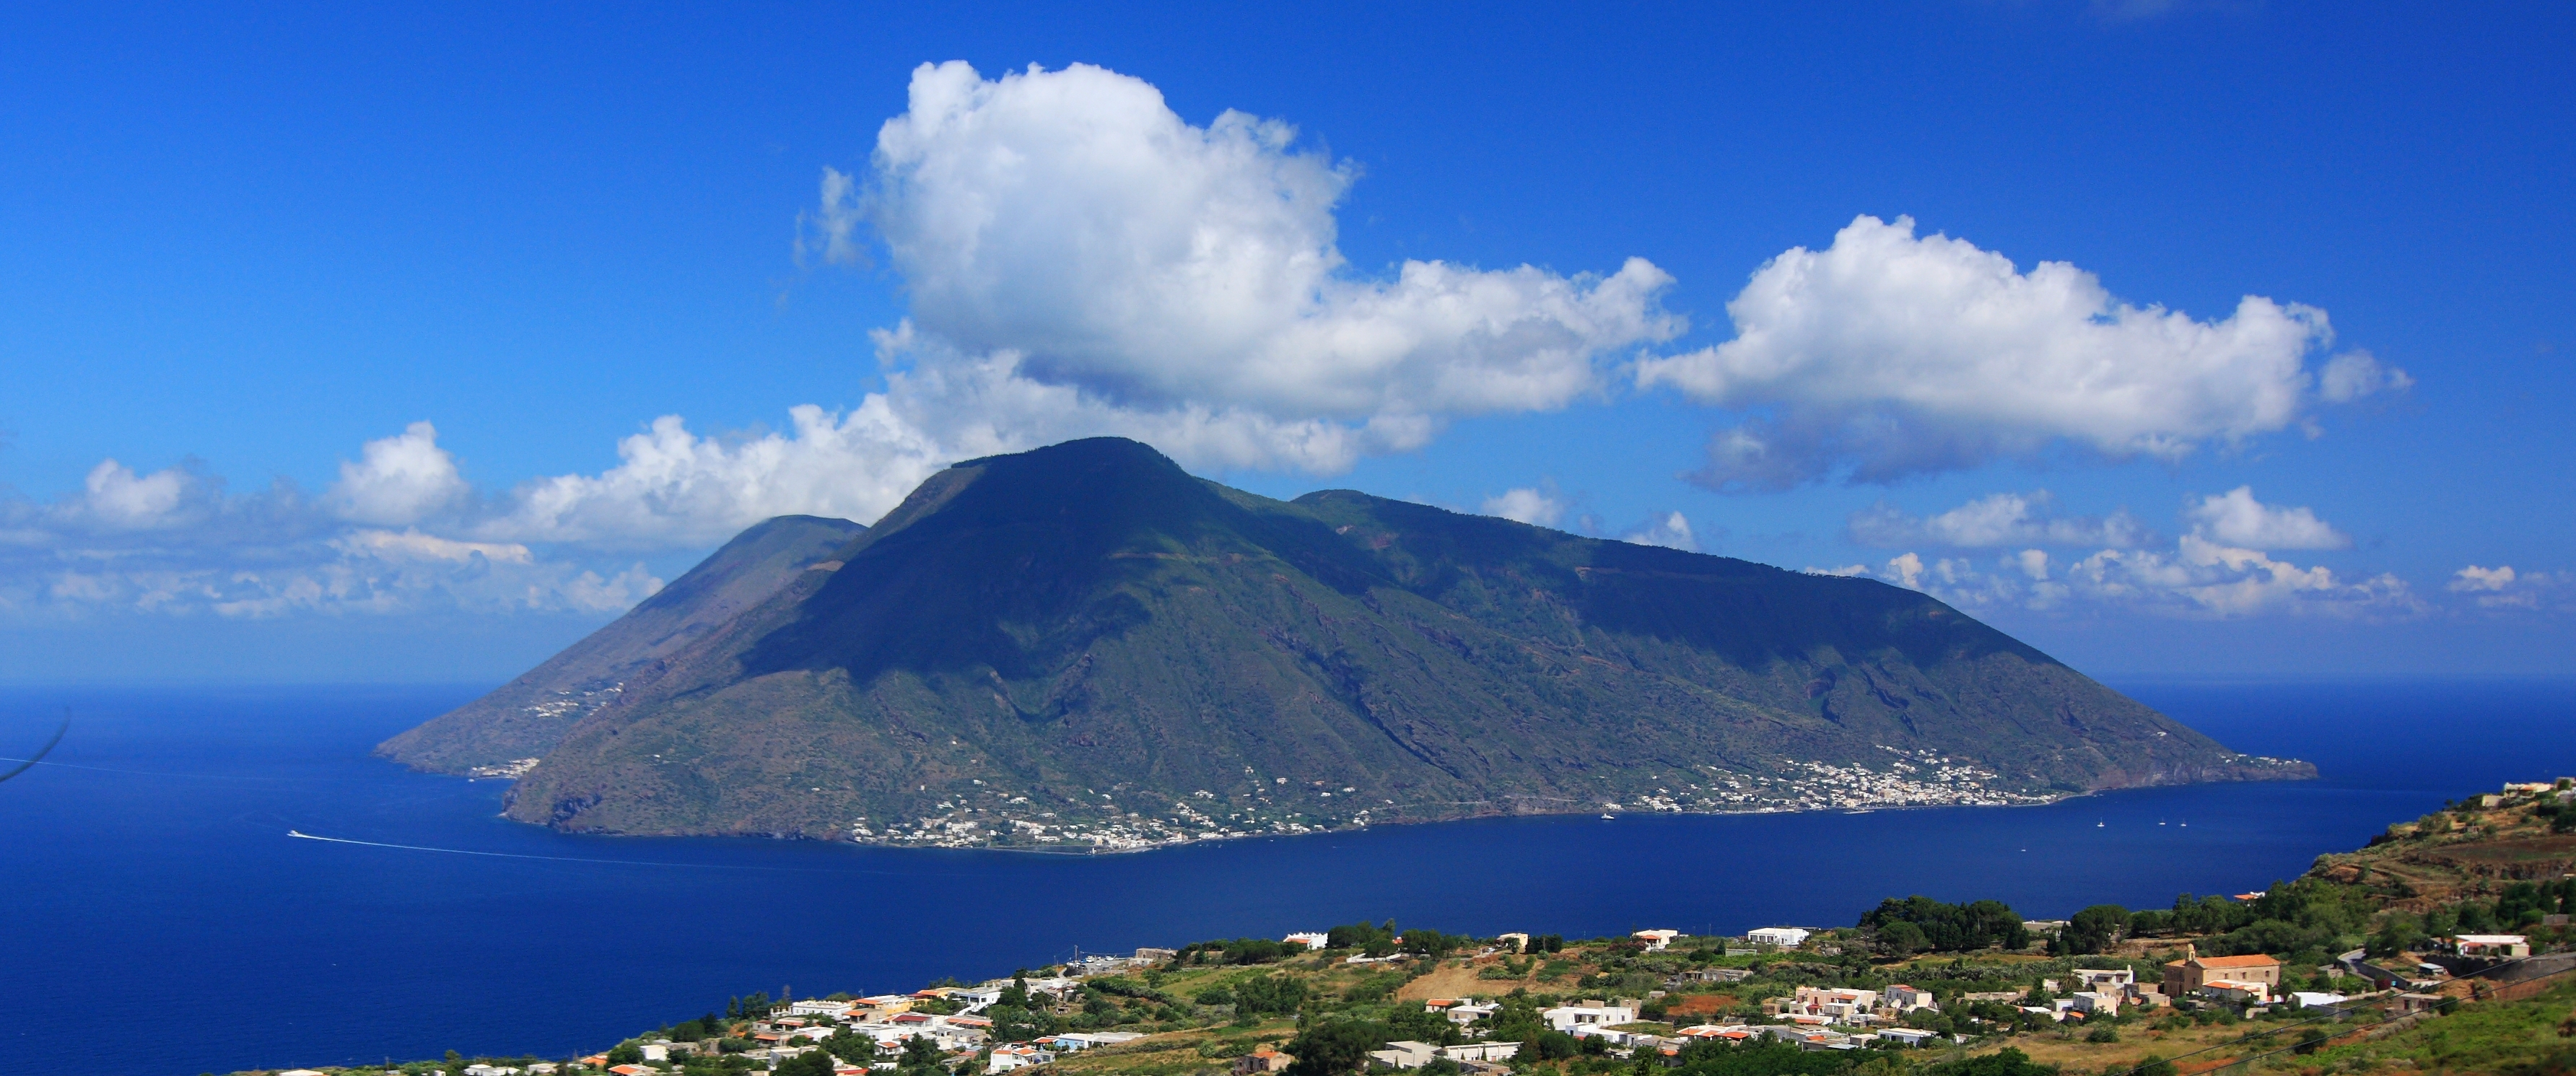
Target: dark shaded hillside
(527,717)
(1084,643)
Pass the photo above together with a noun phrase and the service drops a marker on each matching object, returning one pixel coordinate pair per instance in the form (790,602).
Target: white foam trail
(558,859)
(301,835)
(162,773)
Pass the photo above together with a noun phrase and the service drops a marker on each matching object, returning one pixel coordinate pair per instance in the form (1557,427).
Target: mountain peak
(1083,643)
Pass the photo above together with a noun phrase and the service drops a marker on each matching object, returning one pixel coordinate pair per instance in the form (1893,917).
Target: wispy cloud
(1999,519)
(176,542)
(2221,567)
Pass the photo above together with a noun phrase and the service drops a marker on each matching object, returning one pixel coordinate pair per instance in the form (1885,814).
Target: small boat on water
(1605,818)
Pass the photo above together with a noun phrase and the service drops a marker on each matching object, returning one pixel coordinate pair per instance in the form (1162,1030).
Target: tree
(809,1063)
(1334,1048)
(2092,930)
(1952,927)
(858,1049)
(2006,1062)
(1766,1058)
(920,1058)
(2153,1065)
(1269,994)
(624,1053)
(1358,935)
(1551,1046)
(1902,938)
(1432,943)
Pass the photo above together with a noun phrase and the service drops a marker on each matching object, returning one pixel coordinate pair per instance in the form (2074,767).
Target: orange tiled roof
(2238,962)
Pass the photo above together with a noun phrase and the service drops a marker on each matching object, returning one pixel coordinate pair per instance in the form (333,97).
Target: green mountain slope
(1086,645)
(527,717)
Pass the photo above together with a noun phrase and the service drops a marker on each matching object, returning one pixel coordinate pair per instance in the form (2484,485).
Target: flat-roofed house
(1569,1017)
(2491,945)
(1903,998)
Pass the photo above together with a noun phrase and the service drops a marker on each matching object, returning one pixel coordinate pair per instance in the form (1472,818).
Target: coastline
(1119,844)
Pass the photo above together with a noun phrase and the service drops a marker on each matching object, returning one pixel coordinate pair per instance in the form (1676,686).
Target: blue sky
(1437,253)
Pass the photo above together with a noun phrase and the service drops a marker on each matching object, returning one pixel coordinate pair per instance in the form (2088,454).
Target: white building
(1569,1017)
(1468,1014)
(1405,1054)
(2501,945)
(1016,1055)
(1656,940)
(2110,979)
(2092,1002)
(1784,937)
(1481,1051)
(1836,1005)
(1903,999)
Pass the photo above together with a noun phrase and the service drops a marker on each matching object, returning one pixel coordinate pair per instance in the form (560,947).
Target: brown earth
(1453,981)
(2455,855)
(1701,1005)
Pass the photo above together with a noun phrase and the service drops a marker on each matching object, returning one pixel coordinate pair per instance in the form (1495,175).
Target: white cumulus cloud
(115,497)
(399,479)
(2502,587)
(2355,374)
(2236,518)
(1071,220)
(1999,519)
(1526,505)
(1889,354)
(1670,530)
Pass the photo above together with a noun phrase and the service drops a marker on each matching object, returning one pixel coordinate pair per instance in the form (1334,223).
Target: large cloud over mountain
(1070,222)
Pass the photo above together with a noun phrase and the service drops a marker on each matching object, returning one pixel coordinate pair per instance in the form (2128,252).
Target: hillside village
(2385,957)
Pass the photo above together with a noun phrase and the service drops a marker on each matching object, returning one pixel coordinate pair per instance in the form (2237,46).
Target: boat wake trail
(521,856)
(301,835)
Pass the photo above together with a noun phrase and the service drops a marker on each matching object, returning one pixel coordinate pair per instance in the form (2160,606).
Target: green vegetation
(1917,924)
(1084,646)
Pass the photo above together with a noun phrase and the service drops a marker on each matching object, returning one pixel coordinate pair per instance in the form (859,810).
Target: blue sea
(159,921)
